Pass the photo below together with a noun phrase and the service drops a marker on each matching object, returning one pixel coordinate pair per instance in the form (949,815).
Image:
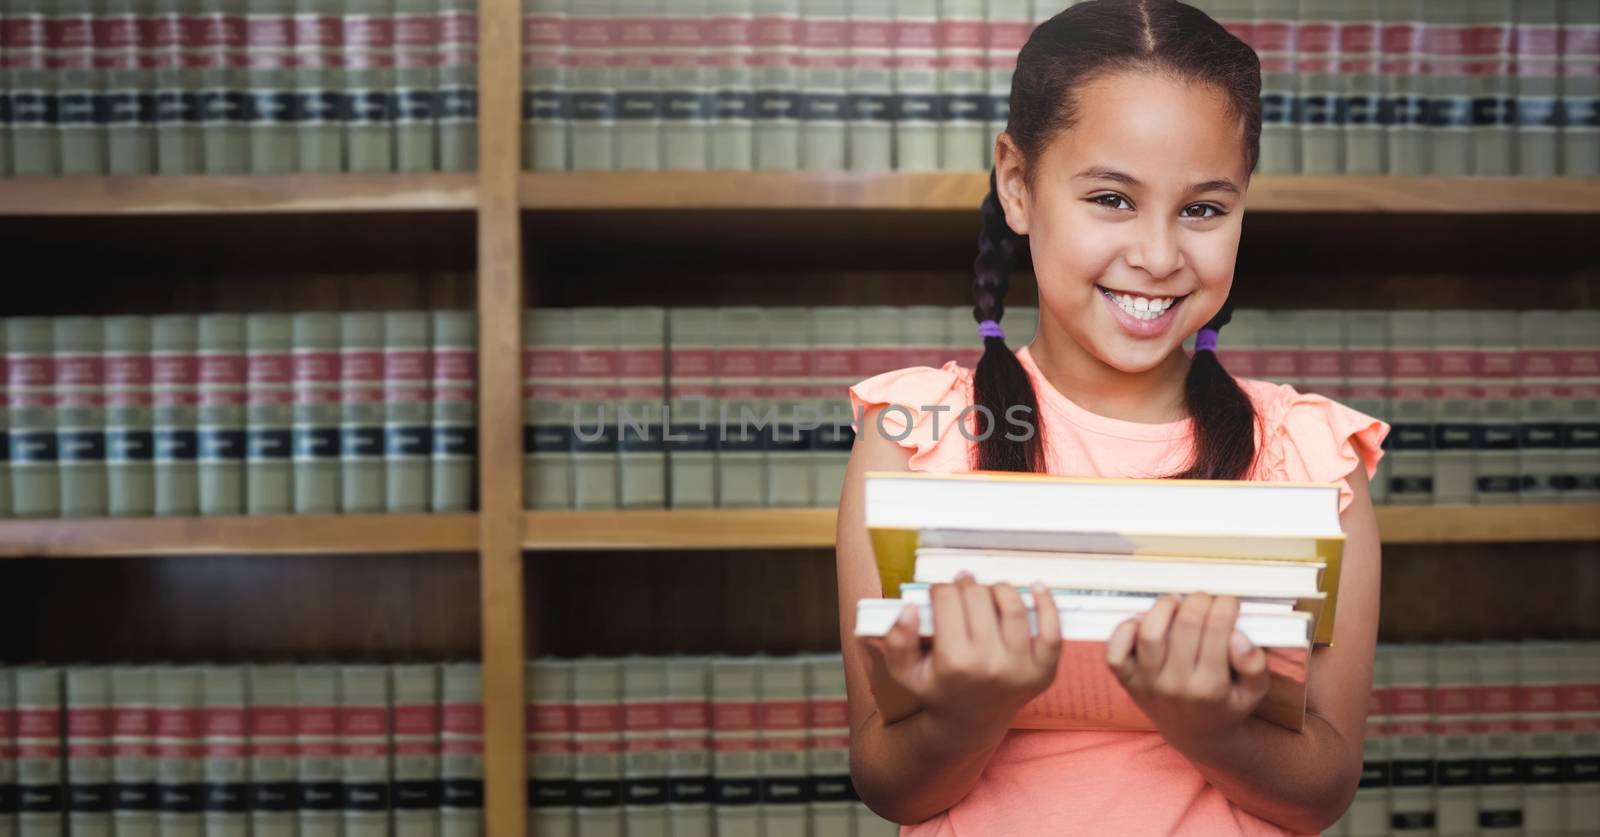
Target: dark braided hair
(1087,40)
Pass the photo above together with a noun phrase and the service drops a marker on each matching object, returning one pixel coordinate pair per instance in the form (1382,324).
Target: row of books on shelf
(231,414)
(746,407)
(138,87)
(1412,88)
(1481,738)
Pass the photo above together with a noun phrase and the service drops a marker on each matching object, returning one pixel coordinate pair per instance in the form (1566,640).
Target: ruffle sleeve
(1314,439)
(921,405)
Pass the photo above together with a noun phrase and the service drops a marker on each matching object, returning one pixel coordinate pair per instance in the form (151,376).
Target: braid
(1000,383)
(1224,418)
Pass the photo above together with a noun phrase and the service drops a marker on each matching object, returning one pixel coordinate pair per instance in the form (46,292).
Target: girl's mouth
(1142,316)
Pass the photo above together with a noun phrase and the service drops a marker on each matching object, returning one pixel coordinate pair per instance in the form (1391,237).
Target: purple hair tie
(1205,340)
(990,328)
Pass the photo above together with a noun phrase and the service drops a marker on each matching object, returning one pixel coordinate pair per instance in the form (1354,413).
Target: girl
(1134,127)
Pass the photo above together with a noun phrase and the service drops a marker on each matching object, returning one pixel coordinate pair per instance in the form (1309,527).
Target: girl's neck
(1154,396)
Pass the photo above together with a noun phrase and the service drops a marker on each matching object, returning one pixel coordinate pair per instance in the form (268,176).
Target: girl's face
(1133,216)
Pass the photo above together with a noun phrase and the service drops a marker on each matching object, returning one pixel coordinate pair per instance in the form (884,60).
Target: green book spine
(80,416)
(1274,42)
(177,86)
(83,137)
(34,108)
(316,413)
(1580,88)
(5,427)
(269,415)
(130,481)
(407,431)
(174,380)
(1448,86)
(222,54)
(220,416)
(642,379)
(361,478)
(369,63)
(455,409)
(129,94)
(1537,47)
(547,408)
(416,41)
(269,107)
(30,375)
(458,85)
(319,85)
(5,106)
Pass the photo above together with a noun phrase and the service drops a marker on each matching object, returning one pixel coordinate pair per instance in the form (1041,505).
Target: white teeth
(1140,307)
(1141,304)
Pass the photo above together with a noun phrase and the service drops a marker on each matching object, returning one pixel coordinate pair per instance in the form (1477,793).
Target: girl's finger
(902,650)
(1219,631)
(949,620)
(1119,652)
(983,620)
(1151,648)
(1013,620)
(1047,645)
(1183,638)
(1251,663)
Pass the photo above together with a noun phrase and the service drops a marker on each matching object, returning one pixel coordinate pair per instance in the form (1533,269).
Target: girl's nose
(1156,250)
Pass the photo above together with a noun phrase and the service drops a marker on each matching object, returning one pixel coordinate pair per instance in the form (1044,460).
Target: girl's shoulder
(1309,437)
(921,405)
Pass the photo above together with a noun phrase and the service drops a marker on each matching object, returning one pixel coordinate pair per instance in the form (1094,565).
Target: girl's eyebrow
(1220,184)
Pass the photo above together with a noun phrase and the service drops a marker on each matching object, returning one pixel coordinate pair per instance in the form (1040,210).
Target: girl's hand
(984,664)
(1177,662)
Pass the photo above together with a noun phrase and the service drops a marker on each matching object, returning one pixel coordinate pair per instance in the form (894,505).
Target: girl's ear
(1010,184)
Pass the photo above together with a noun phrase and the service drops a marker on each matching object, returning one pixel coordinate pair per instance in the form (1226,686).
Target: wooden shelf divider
(267,535)
(243,194)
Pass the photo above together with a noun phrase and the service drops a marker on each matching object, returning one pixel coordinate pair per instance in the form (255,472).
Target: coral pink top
(1123,783)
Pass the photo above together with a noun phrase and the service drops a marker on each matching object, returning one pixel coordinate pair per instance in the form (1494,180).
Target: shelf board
(295,534)
(814,528)
(964,191)
(244,194)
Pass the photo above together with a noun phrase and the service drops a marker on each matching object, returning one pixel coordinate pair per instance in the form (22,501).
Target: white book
(414,791)
(921,594)
(1367,366)
(546,87)
(461,750)
(1581,714)
(8,758)
(963,85)
(732,80)
(39,764)
(782,718)
(689,746)
(824,74)
(593,30)
(317,745)
(1448,87)
(88,741)
(1361,74)
(1542,404)
(870,120)
(1455,685)
(1368,815)
(1405,105)
(1536,45)
(776,79)
(1580,88)
(1499,745)
(1143,574)
(596,337)
(1007,32)
(365,749)
(1275,44)
(1411,363)
(642,380)
(644,742)
(274,750)
(179,742)
(361,413)
(224,727)
(835,365)
(875,618)
(828,802)
(736,746)
(789,382)
(1456,410)
(1411,744)
(1543,736)
(1582,441)
(639,85)
(1319,86)
(739,423)
(691,442)
(133,750)
(1492,87)
(916,85)
(597,771)
(686,95)
(547,408)
(1497,476)
(551,760)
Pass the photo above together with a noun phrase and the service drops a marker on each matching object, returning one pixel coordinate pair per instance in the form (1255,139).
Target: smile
(1141,307)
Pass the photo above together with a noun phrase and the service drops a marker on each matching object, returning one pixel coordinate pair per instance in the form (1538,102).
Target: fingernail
(1240,643)
(963,575)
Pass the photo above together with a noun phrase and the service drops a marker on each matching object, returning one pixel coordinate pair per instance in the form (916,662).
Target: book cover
(1457,431)
(1580,88)
(316,415)
(689,741)
(39,769)
(1497,476)
(641,400)
(741,408)
(836,365)
(457,114)
(776,77)
(1492,87)
(830,792)
(822,103)
(80,416)
(1580,709)
(869,118)
(1536,84)
(79,85)
(732,79)
(1361,87)
(361,412)
(269,108)
(594,31)
(1274,41)
(644,746)
(1542,735)
(273,749)
(1542,399)
(134,766)
(547,408)
(319,771)
(369,80)
(414,105)
(408,407)
(220,417)
(686,86)
(175,380)
(789,383)
(461,759)
(318,78)
(219,46)
(1411,744)
(639,85)
(736,746)
(414,792)
(225,730)
(546,94)
(551,766)
(691,407)
(88,750)
(269,415)
(1405,104)
(1454,692)
(916,85)
(129,84)
(781,717)
(963,85)
(130,480)
(454,411)
(31,379)
(1318,86)
(1412,363)
(1581,442)
(1499,799)
(176,84)
(365,749)
(596,337)
(180,749)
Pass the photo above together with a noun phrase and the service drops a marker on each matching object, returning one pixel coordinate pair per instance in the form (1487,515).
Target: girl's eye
(1111,201)
(1200,210)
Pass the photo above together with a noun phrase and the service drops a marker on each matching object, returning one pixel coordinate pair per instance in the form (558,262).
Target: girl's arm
(1300,780)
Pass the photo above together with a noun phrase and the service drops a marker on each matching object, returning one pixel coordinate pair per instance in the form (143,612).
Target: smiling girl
(1134,128)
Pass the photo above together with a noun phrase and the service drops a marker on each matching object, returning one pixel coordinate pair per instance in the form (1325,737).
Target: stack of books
(1108,548)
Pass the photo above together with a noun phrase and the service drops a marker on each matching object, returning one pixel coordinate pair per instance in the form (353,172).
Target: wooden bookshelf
(202,194)
(266,535)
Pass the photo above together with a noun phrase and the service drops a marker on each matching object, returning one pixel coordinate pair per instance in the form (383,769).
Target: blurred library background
(313,522)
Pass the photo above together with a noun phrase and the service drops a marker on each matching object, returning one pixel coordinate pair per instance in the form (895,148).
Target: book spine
(175,379)
(34,105)
(831,792)
(1457,433)
(1542,398)
(741,424)
(1323,357)
(220,417)
(775,76)
(551,726)
(594,94)
(461,762)
(180,762)
(219,46)
(317,411)
(128,103)
(1361,94)
(457,103)
(781,716)
(1411,792)
(736,747)
(319,86)
(407,399)
(547,431)
(1413,364)
(319,770)
(1457,773)
(1367,363)
(226,751)
(963,85)
(644,756)
(269,108)
(729,66)
(8,746)
(869,114)
(691,440)
(638,120)
(361,412)
(39,770)
(6,103)
(1274,41)
(415,103)
(916,85)
(1580,88)
(455,402)
(788,364)
(30,362)
(369,64)
(1541,737)
(1491,85)
(88,752)
(1536,51)
(80,416)
(135,793)
(1500,796)
(1006,32)
(414,794)
(273,751)
(598,746)
(130,482)
(366,748)
(686,103)
(1449,108)
(689,792)
(1405,104)
(836,365)
(269,416)
(82,136)
(642,382)
(823,62)
(595,387)
(1497,475)
(5,426)
(171,52)
(1581,436)
(1369,811)
(1317,77)
(1580,711)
